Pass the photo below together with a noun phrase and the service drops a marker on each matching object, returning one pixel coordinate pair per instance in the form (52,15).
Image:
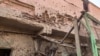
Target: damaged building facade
(37,27)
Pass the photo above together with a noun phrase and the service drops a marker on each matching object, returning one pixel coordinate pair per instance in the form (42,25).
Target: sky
(96,2)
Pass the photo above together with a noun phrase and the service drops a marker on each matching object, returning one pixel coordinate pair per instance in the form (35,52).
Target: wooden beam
(67,34)
(55,41)
(77,39)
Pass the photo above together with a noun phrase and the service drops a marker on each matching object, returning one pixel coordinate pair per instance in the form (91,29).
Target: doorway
(5,52)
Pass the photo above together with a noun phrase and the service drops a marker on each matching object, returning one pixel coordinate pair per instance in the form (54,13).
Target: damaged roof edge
(10,18)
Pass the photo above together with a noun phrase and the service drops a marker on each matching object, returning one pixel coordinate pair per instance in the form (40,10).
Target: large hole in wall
(5,52)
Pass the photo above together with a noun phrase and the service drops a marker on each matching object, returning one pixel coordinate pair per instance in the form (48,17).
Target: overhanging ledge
(19,23)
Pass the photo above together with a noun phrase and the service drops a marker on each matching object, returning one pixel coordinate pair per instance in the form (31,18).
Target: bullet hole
(39,8)
(74,13)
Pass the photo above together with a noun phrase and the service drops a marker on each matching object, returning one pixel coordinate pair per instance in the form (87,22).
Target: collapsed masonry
(38,33)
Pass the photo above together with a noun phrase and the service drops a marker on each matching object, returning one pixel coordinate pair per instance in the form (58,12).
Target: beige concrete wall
(18,6)
(20,44)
